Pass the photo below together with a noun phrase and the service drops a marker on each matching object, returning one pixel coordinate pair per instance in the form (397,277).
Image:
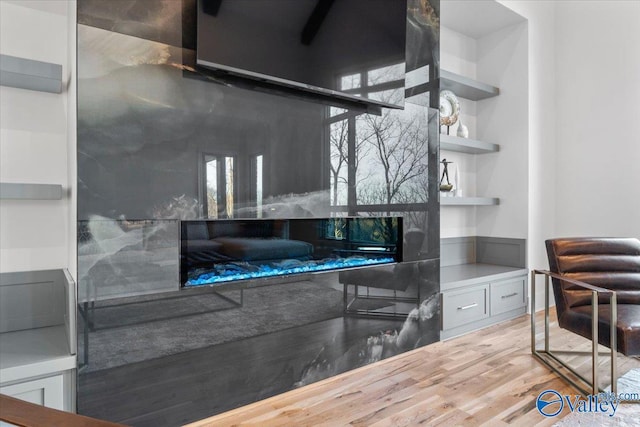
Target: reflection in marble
(143,130)
(164,21)
(374,348)
(299,45)
(423,49)
(121,258)
(313,204)
(420,326)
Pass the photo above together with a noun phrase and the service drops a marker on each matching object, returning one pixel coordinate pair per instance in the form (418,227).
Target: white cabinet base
(472,299)
(48,391)
(480,324)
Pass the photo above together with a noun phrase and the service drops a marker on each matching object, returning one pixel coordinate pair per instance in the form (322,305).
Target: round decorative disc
(449,108)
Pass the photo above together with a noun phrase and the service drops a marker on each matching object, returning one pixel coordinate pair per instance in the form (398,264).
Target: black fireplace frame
(202,243)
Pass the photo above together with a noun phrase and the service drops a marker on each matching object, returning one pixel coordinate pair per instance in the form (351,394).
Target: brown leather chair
(601,277)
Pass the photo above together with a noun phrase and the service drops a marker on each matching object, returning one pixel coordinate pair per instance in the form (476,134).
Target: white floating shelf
(29,74)
(466,145)
(465,87)
(30,191)
(468,201)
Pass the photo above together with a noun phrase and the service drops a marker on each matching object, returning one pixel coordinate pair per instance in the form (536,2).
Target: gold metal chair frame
(546,355)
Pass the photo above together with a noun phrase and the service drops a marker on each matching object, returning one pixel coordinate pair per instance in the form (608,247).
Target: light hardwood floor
(488,377)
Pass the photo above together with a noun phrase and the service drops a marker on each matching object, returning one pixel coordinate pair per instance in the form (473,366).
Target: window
(212,187)
(220,177)
(373,230)
(258,180)
(377,160)
(232,183)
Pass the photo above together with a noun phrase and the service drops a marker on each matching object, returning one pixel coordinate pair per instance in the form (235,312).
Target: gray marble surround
(147,119)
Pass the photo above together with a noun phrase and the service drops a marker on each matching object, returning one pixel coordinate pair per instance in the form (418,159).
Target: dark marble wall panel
(146,122)
(143,129)
(171,22)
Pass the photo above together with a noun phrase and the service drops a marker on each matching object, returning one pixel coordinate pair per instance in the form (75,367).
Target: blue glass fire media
(242,271)
(223,251)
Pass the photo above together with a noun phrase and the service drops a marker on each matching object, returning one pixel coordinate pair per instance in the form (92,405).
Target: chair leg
(546,314)
(614,344)
(594,342)
(345,297)
(548,358)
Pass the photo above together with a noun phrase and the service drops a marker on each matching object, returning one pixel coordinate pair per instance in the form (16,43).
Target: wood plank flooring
(488,377)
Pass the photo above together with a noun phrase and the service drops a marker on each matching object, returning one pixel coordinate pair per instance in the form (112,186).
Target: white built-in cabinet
(48,391)
(38,342)
(37,294)
(483,53)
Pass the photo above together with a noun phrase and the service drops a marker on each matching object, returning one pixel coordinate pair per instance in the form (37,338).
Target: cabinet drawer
(464,306)
(44,391)
(508,295)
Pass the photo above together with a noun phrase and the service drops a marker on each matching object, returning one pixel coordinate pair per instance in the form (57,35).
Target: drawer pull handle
(467,307)
(509,295)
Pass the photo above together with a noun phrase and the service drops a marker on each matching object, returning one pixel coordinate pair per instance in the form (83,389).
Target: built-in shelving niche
(483,278)
(474,90)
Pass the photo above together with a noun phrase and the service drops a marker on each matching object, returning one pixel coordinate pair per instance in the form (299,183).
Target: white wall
(542,121)
(584,132)
(598,127)
(504,119)
(584,120)
(34,136)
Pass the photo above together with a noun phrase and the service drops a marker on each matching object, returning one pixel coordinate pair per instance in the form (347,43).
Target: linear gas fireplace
(223,251)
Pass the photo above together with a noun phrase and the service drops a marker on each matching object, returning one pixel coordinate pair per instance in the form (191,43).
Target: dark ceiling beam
(315,20)
(211,7)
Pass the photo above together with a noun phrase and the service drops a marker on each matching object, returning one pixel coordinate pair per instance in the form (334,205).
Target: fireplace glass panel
(222,251)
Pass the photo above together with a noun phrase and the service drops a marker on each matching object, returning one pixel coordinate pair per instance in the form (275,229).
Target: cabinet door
(464,306)
(508,295)
(48,391)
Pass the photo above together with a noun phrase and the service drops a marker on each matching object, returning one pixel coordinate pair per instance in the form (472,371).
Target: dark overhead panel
(315,20)
(305,46)
(211,7)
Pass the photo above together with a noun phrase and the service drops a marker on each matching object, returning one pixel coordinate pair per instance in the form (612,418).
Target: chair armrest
(575,282)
